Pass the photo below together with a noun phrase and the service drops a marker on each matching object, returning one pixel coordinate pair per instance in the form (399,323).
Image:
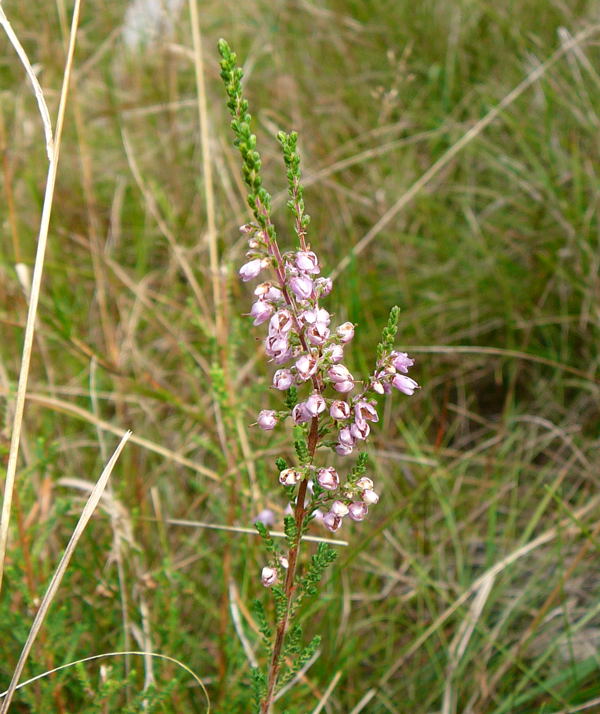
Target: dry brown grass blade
(38,270)
(61,569)
(68,408)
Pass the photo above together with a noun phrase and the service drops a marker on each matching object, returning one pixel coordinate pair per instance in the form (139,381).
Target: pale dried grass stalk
(35,291)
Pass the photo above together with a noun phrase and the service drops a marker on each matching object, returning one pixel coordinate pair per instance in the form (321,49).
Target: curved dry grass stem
(38,270)
(61,569)
(93,658)
(37,89)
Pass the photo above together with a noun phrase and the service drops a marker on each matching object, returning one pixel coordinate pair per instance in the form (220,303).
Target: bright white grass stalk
(86,514)
(35,291)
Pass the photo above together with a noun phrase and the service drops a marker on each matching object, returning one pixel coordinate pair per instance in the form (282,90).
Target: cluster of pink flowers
(309,351)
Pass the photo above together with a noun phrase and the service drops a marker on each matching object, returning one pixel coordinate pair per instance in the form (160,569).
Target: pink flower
(315,404)
(401,361)
(266,517)
(343,387)
(316,316)
(252,269)
(377,386)
(323,286)
(405,384)
(365,410)
(283,379)
(300,413)
(289,477)
(306,366)
(317,334)
(345,437)
(370,497)
(334,353)
(343,449)
(358,511)
(267,419)
(328,478)
(332,522)
(268,576)
(261,311)
(360,431)
(281,322)
(307,261)
(345,332)
(339,373)
(301,286)
(278,349)
(339,410)
(339,508)
(267,291)
(364,483)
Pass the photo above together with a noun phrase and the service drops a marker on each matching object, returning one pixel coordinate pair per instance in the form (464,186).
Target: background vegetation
(474,585)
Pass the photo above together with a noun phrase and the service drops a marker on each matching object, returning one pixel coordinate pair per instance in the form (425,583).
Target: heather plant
(330,409)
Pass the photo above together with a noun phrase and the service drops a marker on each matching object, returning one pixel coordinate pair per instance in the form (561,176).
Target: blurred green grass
(499,251)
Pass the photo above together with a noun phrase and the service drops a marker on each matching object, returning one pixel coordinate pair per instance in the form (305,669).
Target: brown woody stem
(282,627)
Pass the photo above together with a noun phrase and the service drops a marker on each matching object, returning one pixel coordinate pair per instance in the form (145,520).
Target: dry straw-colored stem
(36,282)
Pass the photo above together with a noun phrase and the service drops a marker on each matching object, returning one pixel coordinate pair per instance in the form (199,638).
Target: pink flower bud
(289,477)
(343,387)
(364,483)
(307,261)
(267,419)
(267,291)
(370,497)
(268,576)
(402,361)
(334,353)
(331,521)
(306,366)
(284,562)
(300,414)
(360,431)
(343,449)
(339,508)
(323,286)
(405,384)
(261,311)
(301,286)
(315,404)
(283,379)
(339,410)
(339,373)
(328,478)
(251,269)
(345,437)
(248,228)
(345,332)
(358,511)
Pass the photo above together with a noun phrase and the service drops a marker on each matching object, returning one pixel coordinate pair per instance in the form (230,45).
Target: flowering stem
(299,515)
